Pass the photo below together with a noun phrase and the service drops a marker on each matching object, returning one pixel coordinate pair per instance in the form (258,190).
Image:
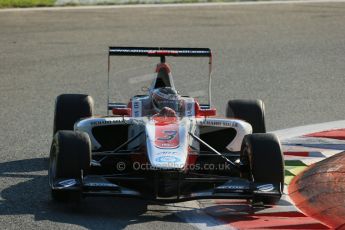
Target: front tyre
(69,108)
(70,158)
(251,111)
(263,162)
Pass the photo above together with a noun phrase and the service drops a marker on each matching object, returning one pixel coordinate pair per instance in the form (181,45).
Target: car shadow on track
(27,192)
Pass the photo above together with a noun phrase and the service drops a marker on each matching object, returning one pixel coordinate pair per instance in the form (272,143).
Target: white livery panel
(167,144)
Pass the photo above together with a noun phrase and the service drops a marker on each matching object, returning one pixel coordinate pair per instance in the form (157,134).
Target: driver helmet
(166,97)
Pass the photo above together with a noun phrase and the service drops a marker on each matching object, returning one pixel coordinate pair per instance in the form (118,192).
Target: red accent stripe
(298,154)
(278,220)
(338,134)
(162,52)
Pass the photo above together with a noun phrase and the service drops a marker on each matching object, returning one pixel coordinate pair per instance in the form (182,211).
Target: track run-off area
(290,55)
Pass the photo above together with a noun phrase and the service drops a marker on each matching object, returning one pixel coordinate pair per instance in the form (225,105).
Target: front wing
(234,188)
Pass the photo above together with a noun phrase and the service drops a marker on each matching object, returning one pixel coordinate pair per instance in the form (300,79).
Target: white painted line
(203,221)
(191,213)
(172,5)
(308,129)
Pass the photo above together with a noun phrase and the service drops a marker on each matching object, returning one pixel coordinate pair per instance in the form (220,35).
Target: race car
(163,146)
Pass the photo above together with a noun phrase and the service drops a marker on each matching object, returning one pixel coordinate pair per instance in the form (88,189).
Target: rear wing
(159,51)
(162,52)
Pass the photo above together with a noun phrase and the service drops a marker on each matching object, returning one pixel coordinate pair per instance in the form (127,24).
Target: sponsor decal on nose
(167,136)
(68,183)
(167,159)
(266,187)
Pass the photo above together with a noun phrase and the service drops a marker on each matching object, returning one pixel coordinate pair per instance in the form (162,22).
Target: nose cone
(167,144)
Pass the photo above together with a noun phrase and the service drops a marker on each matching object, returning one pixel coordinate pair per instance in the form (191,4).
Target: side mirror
(207,112)
(122,111)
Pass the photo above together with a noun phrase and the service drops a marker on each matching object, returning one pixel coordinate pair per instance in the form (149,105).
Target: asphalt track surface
(291,56)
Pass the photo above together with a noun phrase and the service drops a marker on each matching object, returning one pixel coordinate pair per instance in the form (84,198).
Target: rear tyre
(251,111)
(69,108)
(70,158)
(263,162)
